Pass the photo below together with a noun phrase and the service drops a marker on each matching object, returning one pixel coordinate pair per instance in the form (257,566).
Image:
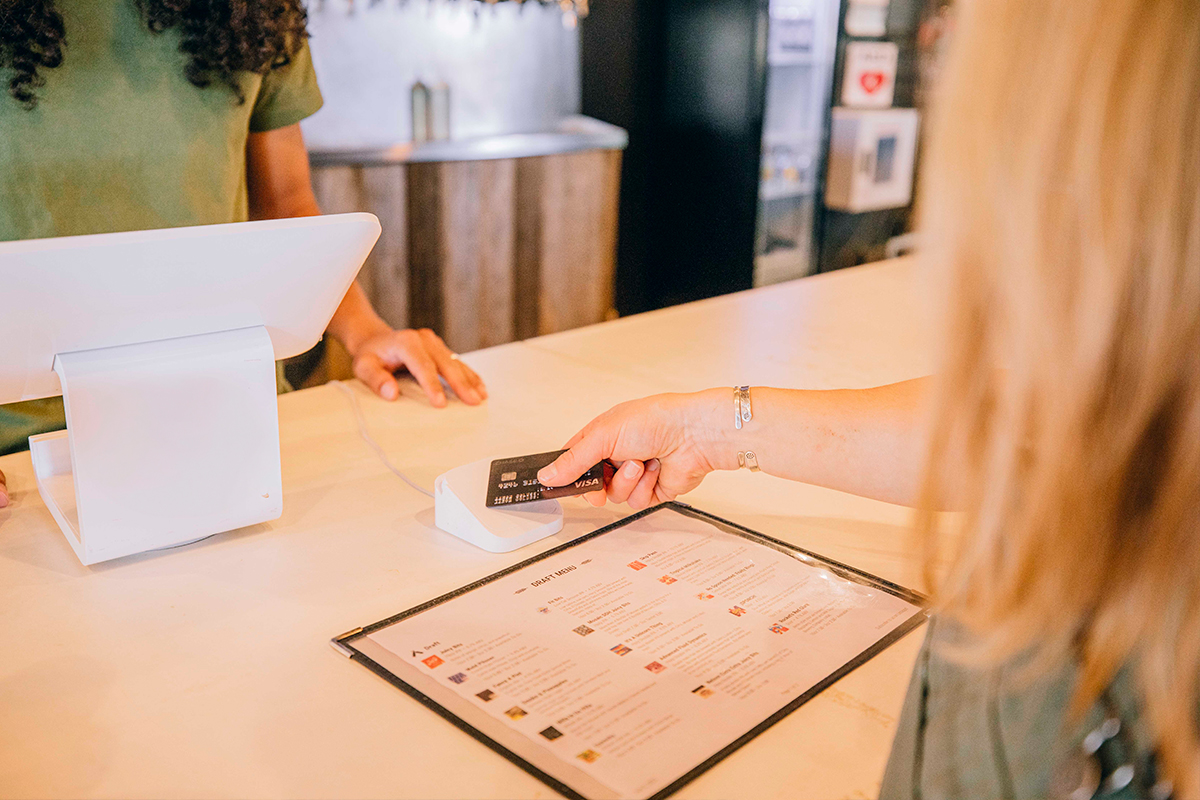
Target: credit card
(514,480)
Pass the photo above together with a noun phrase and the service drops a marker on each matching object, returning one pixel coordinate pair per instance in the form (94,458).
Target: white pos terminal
(163,344)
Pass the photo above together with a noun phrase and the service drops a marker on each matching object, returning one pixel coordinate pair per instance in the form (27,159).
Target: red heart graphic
(871,81)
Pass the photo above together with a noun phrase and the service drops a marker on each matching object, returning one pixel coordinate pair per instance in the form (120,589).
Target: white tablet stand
(166,442)
(172,422)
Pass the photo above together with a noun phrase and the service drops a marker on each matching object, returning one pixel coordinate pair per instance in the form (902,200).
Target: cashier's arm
(279,186)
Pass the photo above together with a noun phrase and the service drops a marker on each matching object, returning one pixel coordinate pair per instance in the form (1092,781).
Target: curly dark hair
(219,37)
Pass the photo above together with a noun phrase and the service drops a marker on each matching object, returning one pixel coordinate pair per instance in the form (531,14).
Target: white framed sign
(867,17)
(869,77)
(871,156)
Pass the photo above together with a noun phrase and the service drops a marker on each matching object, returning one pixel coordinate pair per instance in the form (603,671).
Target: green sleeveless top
(972,733)
(120,140)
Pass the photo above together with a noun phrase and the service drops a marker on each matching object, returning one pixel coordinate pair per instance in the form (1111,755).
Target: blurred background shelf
(782,189)
(571,134)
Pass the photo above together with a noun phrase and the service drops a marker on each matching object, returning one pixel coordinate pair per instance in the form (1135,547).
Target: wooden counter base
(487,252)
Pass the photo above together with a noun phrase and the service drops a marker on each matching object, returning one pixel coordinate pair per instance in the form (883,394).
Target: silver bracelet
(742,413)
(746,458)
(741,406)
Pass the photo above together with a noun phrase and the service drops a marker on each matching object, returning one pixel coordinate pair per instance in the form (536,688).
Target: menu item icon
(635,565)
(487,695)
(433,662)
(703,691)
(667,579)
(704,596)
(551,733)
(778,629)
(621,650)
(737,611)
(458,677)
(655,667)
(589,756)
(583,630)
(515,712)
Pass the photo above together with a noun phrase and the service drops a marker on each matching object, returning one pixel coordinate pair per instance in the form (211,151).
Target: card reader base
(459,497)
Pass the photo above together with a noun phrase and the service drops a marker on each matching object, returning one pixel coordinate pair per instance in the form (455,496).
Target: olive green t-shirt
(120,140)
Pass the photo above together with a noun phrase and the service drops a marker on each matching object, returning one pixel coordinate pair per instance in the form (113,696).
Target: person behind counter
(1061,220)
(137,114)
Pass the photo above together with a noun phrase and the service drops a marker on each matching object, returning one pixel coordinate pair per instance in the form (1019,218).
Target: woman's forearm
(868,442)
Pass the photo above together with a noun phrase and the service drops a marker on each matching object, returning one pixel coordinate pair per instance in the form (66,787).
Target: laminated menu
(625,663)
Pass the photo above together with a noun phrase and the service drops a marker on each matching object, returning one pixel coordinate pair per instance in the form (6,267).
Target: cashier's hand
(3,491)
(422,353)
(660,445)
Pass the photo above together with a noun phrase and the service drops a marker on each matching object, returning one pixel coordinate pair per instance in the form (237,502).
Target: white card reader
(459,496)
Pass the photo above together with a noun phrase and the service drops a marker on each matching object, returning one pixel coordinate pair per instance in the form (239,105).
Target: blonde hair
(1062,209)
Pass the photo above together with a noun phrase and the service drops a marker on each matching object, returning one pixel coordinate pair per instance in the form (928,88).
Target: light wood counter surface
(205,671)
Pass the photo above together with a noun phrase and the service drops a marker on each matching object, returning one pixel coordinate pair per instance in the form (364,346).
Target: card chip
(508,476)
